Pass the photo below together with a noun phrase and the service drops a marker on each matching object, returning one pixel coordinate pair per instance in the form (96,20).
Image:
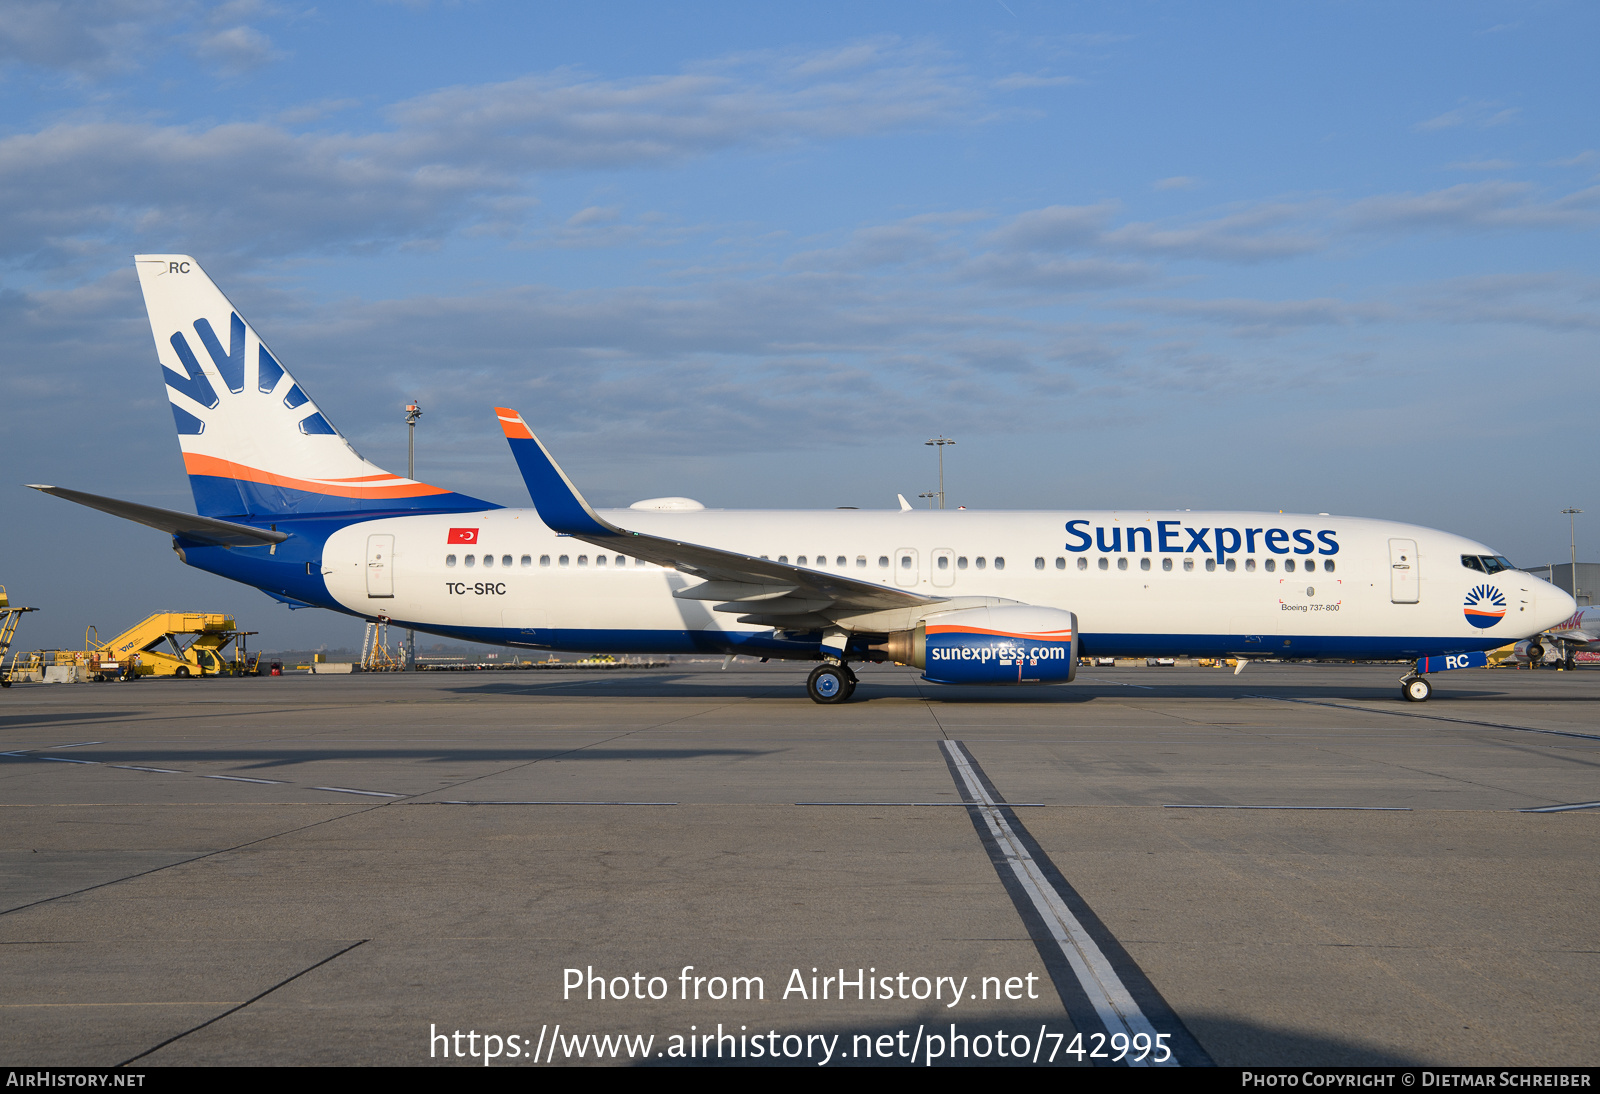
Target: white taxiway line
(1107,993)
(1562,808)
(368,793)
(234,778)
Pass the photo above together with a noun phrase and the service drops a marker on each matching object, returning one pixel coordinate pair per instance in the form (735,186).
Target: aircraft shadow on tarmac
(37,720)
(871,687)
(255,759)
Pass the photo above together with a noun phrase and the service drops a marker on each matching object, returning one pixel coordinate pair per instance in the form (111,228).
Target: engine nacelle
(1006,644)
(1529,649)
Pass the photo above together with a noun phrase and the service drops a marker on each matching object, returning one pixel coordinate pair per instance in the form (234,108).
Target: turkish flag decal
(463,535)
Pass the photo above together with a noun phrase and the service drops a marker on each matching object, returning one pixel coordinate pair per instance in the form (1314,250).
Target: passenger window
(978,562)
(839,562)
(1083,563)
(1122,563)
(944,562)
(599,560)
(1061,563)
(1288,565)
(527,560)
(1328,565)
(999,564)
(1311,564)
(505,560)
(961,563)
(783,558)
(1038,564)
(544,560)
(905,562)
(449,560)
(883,562)
(565,559)
(800,561)
(1166,564)
(1105,563)
(583,560)
(1271,564)
(622,560)
(1211,565)
(1231,565)
(488,560)
(1249,565)
(1144,564)
(470,560)
(1188,564)
(861,562)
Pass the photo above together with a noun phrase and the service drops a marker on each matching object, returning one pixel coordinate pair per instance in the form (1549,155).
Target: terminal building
(1560,575)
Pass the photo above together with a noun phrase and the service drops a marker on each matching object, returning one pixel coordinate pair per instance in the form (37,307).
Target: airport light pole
(939,443)
(1572,532)
(413,412)
(930,495)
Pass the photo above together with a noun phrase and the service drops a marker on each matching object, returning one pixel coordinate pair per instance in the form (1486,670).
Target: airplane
(1580,633)
(287,505)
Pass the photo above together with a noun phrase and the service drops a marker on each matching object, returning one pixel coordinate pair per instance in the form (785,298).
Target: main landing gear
(1415,689)
(831,683)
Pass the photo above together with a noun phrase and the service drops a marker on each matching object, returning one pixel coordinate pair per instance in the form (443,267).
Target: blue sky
(1321,257)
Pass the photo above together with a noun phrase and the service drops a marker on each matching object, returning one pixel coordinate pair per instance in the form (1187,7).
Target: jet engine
(1529,649)
(1005,644)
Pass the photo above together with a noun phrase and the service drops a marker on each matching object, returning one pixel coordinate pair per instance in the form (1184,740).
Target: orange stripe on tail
(196,464)
(513,425)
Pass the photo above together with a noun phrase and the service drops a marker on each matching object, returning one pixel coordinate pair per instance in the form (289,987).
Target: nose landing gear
(831,683)
(1415,689)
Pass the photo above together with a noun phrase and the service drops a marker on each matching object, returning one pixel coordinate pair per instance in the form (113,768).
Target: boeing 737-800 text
(287,505)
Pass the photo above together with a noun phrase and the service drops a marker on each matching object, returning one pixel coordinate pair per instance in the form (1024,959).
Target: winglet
(558,501)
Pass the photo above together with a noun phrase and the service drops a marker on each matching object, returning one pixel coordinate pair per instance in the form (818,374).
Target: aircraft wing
(742,582)
(199,529)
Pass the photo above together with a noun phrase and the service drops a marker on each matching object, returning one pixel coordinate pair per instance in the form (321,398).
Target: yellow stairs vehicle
(201,656)
(9,617)
(165,644)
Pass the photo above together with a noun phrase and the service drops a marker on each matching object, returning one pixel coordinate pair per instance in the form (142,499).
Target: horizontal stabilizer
(223,533)
(737,577)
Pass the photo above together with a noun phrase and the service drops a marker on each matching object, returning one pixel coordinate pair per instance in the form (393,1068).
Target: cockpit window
(1471,562)
(1493,564)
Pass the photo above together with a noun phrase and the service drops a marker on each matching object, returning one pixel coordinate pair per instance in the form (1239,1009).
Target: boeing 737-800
(288,506)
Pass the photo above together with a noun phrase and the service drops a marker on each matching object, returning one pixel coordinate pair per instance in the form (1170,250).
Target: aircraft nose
(1548,604)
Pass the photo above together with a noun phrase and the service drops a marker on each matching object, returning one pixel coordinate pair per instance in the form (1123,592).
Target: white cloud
(1476,114)
(1251,234)
(1476,205)
(235,49)
(452,158)
(86,36)
(1176,182)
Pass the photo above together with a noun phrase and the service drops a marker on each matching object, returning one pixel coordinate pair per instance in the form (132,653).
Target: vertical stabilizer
(254,443)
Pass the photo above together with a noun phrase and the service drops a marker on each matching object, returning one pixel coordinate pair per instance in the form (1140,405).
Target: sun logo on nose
(1485,606)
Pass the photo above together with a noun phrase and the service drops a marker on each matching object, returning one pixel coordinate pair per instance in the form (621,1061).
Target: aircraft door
(944,567)
(1403,571)
(380,566)
(905,566)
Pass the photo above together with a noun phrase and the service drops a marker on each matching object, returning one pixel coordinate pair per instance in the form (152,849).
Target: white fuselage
(1242,583)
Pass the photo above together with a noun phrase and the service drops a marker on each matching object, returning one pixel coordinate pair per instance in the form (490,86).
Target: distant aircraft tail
(254,443)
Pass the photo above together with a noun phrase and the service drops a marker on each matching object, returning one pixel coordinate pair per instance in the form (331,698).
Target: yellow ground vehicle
(8,630)
(164,644)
